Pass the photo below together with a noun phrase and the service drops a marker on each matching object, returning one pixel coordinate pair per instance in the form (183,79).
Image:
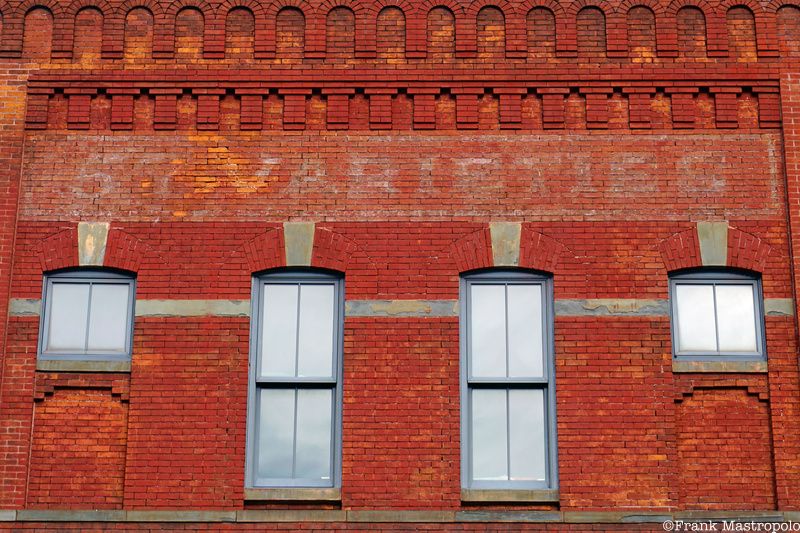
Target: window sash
(90,279)
(714,280)
(543,383)
(548,443)
(545,334)
(259,383)
(296,481)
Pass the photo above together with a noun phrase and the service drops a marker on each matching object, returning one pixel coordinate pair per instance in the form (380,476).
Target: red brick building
(398,264)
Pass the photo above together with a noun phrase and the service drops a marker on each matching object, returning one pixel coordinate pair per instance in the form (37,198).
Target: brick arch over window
(61,250)
(330,250)
(472,251)
(538,251)
(125,251)
(265,251)
(747,251)
(333,250)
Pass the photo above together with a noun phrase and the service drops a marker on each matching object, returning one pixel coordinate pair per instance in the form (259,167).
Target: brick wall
(402,130)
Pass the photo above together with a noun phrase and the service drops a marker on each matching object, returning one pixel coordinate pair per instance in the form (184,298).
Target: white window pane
(108,319)
(488,330)
(696,329)
(525,344)
(315,341)
(736,318)
(489,435)
(279,330)
(68,308)
(527,434)
(275,433)
(314,427)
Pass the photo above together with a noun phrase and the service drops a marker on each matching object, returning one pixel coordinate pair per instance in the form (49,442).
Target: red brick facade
(401,129)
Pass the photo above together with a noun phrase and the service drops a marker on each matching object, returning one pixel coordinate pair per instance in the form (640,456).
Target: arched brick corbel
(266,251)
(714,244)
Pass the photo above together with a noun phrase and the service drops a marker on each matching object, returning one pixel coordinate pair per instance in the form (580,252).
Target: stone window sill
(292,494)
(719,366)
(509,496)
(65,365)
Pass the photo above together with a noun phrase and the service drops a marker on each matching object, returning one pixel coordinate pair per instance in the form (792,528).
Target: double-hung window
(507,393)
(87,315)
(294,422)
(717,315)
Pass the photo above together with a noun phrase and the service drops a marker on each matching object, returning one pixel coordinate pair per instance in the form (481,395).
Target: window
(88,315)
(507,393)
(717,314)
(295,374)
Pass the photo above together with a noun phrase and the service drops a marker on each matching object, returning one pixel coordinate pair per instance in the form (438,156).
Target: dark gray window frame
(84,276)
(718,277)
(509,276)
(294,276)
